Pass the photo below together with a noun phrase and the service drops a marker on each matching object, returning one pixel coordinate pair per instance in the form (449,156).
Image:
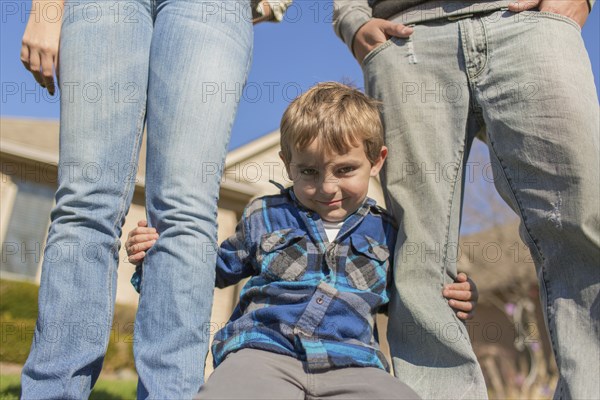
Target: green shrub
(10,389)
(18,313)
(18,299)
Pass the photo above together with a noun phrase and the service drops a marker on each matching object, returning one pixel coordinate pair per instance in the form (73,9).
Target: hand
(374,33)
(267,13)
(138,241)
(272,10)
(39,50)
(462,296)
(577,10)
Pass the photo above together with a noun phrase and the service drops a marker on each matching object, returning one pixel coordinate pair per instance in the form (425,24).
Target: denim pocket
(371,54)
(531,15)
(367,264)
(283,255)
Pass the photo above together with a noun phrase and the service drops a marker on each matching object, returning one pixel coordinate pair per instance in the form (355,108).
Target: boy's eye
(346,170)
(308,171)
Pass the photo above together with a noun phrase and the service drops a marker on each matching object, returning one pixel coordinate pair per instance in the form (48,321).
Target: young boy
(319,258)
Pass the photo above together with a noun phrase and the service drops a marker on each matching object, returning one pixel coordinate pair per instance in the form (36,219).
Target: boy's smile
(333,185)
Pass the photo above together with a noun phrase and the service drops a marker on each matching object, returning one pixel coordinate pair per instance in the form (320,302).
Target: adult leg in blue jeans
(530,86)
(179,65)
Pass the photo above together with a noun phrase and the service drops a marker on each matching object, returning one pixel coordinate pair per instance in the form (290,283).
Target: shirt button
(320,300)
(281,240)
(309,215)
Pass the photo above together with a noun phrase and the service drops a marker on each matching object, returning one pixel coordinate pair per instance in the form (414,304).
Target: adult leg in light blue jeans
(526,79)
(180,65)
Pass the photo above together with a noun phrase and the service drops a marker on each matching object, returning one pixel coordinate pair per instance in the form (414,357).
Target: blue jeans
(526,80)
(178,67)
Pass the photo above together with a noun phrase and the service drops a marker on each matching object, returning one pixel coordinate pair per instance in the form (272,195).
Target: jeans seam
(132,160)
(464,34)
(465,334)
(559,17)
(449,214)
(373,53)
(123,206)
(486,53)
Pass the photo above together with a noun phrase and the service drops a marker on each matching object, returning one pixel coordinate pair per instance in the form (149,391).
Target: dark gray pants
(257,374)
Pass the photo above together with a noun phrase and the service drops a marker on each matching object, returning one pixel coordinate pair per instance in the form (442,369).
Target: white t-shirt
(332,229)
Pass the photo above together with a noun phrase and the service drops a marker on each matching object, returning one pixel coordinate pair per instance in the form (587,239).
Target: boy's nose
(329,185)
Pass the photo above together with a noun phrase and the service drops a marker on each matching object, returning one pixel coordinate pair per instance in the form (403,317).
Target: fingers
(39,48)
(47,61)
(397,30)
(523,5)
(137,251)
(462,289)
(466,306)
(374,33)
(25,56)
(139,240)
(464,316)
(137,258)
(464,309)
(35,65)
(141,229)
(461,277)
(458,294)
(462,296)
(41,65)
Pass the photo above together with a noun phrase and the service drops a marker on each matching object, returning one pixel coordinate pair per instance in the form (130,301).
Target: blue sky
(288,58)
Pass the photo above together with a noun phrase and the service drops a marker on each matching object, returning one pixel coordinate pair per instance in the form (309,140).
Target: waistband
(450,10)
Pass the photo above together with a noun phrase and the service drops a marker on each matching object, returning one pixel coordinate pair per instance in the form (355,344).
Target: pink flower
(509,308)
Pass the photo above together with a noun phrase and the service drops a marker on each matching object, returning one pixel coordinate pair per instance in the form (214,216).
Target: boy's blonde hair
(340,116)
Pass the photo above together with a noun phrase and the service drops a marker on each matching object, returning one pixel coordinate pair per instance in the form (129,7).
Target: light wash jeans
(526,80)
(179,66)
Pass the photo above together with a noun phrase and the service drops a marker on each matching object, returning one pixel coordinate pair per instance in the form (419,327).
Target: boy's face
(333,185)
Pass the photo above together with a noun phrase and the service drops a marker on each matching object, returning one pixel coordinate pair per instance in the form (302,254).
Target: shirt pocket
(283,255)
(367,264)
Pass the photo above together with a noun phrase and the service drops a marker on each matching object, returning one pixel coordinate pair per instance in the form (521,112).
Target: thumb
(142,223)
(523,5)
(397,30)
(461,277)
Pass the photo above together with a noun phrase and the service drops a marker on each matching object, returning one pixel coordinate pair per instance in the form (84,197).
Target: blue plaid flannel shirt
(308,298)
